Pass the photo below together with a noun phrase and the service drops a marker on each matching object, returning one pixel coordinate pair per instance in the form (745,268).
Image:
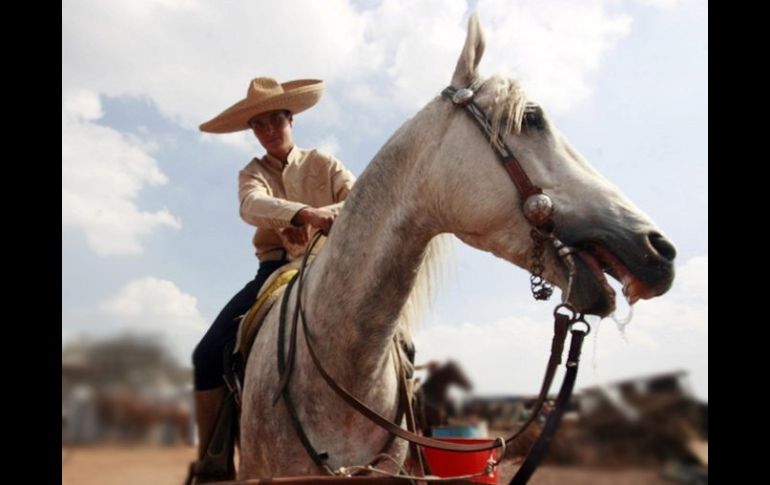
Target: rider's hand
(319,218)
(296,235)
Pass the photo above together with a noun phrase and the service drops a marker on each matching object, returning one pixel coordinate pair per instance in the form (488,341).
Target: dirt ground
(554,475)
(120,465)
(114,465)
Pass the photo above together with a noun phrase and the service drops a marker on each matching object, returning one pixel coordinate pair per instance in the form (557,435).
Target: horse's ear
(465,72)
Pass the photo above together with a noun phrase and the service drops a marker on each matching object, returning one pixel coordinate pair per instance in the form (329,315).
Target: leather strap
(540,448)
(286,369)
(562,324)
(318,458)
(561,321)
(422,468)
(519,177)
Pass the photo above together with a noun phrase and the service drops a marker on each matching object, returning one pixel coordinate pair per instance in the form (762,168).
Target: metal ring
(580,319)
(491,464)
(565,306)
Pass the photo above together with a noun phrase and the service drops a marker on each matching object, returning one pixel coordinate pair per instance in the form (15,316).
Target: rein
(563,323)
(538,209)
(286,365)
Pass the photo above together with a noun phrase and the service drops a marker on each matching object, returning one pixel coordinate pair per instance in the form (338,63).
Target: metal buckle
(462,96)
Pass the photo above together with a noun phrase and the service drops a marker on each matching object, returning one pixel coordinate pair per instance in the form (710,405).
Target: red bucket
(454,463)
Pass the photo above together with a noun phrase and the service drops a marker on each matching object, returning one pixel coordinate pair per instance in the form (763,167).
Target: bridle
(538,209)
(537,206)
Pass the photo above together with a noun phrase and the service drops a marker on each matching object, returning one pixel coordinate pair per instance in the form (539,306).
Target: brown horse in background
(128,416)
(431,402)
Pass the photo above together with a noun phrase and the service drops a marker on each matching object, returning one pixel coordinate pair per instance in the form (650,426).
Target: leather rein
(538,209)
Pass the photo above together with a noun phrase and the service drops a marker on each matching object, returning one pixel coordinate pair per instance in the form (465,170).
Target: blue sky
(151,238)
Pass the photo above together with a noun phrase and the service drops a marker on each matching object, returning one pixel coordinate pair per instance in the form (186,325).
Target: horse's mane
(428,276)
(505,103)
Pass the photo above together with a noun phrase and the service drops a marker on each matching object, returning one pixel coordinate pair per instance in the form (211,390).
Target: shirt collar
(292,158)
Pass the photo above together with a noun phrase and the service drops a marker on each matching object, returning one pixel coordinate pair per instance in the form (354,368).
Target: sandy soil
(553,475)
(118,465)
(115,465)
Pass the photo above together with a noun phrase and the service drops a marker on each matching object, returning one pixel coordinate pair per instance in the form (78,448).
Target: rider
(284,194)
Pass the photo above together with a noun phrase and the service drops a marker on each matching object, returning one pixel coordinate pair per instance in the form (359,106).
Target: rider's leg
(207,357)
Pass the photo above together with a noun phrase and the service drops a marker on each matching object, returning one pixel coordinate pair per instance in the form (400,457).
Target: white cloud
(503,356)
(193,59)
(509,356)
(155,306)
(553,47)
(242,140)
(329,144)
(419,43)
(102,174)
(662,4)
(83,105)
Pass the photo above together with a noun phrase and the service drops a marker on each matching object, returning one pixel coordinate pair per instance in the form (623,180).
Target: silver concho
(538,209)
(462,96)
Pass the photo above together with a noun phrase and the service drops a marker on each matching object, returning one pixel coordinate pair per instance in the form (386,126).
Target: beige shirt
(271,193)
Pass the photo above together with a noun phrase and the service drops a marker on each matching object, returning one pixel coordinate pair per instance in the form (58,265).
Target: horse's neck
(362,279)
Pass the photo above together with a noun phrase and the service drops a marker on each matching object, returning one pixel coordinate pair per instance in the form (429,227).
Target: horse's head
(606,231)
(455,375)
(440,379)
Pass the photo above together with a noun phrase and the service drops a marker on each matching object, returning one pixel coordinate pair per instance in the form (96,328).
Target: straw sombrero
(265,94)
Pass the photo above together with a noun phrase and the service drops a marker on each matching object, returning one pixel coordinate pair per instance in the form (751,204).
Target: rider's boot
(215,460)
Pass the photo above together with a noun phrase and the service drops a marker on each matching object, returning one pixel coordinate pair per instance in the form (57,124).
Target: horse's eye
(533,117)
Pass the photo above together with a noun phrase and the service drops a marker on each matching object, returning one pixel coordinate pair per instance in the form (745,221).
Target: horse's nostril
(663,246)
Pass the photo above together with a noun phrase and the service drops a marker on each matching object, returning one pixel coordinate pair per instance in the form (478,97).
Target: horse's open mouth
(599,260)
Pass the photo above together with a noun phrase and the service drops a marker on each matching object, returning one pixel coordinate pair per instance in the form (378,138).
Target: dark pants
(207,357)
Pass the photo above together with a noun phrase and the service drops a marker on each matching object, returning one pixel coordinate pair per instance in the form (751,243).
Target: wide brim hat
(266,94)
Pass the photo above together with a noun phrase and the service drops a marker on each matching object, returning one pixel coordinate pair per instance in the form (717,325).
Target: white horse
(437,174)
